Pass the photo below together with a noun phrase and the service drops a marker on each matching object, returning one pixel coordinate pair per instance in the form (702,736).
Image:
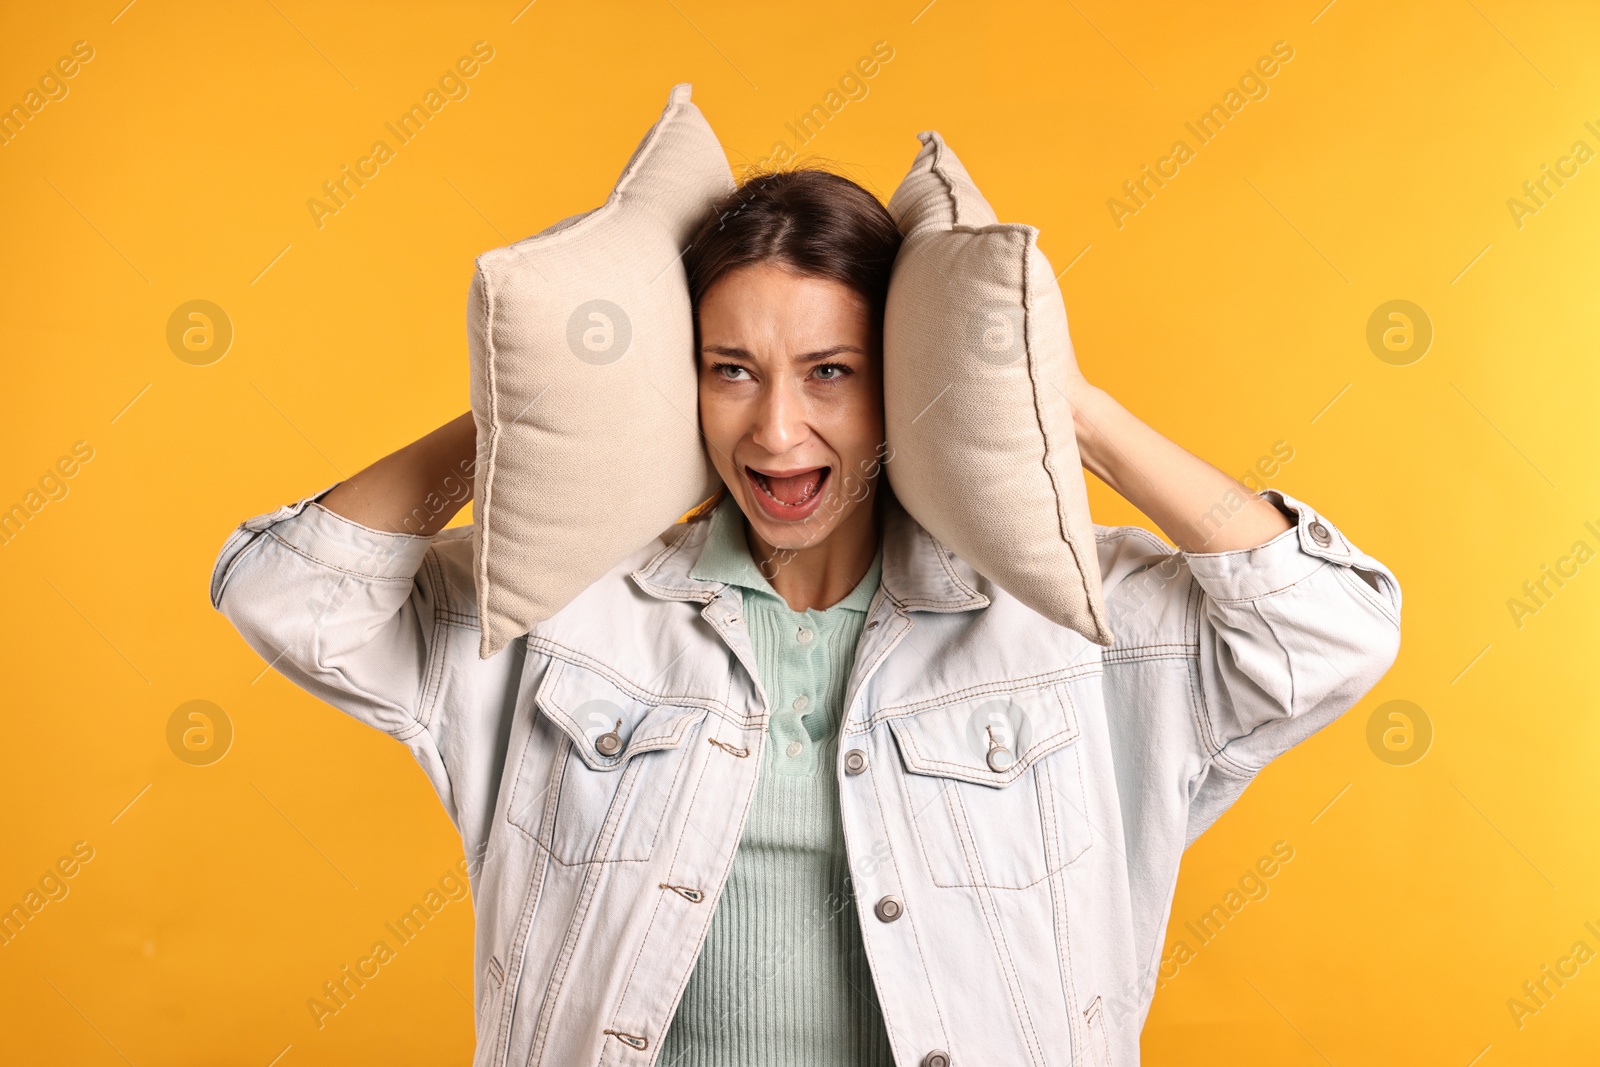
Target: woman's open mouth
(788,495)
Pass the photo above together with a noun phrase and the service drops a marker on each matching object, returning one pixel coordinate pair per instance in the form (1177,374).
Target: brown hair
(811,221)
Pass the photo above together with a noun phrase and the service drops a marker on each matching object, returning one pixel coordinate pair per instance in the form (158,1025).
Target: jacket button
(1319,533)
(855,761)
(1000,758)
(608,744)
(936,1058)
(888,909)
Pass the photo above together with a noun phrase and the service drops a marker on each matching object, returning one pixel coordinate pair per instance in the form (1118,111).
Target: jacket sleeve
(1277,640)
(352,615)
(1291,634)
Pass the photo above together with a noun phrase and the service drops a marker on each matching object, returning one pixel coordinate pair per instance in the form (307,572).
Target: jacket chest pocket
(599,769)
(994,786)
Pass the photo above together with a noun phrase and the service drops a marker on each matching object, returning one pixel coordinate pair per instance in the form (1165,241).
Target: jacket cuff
(333,541)
(1290,557)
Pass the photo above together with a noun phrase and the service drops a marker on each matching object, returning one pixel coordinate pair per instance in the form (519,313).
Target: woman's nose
(780,420)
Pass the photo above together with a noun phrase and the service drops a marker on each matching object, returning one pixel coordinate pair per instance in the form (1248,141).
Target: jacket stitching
(251,539)
(1232,767)
(1065,695)
(625,788)
(947,791)
(438,641)
(1042,681)
(549,794)
(655,912)
(957,814)
(580,912)
(916,942)
(986,907)
(358,527)
(1060,739)
(588,893)
(884,649)
(563,963)
(646,574)
(1321,563)
(297,550)
(947,605)
(1169,652)
(1124,651)
(563,719)
(942,554)
(1061,920)
(510,992)
(1200,710)
(586,662)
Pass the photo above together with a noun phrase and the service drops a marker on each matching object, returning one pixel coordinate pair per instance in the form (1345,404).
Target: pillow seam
(642,153)
(938,168)
(487,619)
(1051,458)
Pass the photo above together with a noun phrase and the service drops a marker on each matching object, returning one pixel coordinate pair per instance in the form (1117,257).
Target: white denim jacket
(1015,799)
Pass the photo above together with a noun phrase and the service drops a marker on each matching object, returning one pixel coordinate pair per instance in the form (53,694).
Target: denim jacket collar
(919,573)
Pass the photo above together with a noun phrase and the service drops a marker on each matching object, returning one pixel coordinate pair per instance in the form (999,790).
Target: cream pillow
(976,352)
(584,385)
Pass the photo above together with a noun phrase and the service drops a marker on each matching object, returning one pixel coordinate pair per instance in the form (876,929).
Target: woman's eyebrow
(808,357)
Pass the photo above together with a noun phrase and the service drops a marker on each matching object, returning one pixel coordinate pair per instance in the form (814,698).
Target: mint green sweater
(783,977)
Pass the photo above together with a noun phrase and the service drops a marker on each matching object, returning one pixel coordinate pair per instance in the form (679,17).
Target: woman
(793,784)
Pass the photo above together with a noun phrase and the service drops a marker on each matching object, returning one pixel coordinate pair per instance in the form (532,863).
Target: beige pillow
(976,352)
(584,385)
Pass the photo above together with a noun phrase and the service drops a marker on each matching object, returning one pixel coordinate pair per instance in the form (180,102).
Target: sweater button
(793,749)
(1319,533)
(936,1058)
(801,702)
(855,761)
(804,636)
(888,909)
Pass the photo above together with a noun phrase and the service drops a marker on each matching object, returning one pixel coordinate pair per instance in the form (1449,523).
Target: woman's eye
(832,372)
(728,372)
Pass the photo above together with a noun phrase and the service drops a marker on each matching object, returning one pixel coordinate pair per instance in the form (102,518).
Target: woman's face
(791,401)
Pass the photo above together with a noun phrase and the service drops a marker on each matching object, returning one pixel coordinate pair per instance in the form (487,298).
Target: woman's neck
(820,575)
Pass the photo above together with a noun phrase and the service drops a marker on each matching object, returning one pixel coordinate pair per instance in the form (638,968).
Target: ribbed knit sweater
(782,980)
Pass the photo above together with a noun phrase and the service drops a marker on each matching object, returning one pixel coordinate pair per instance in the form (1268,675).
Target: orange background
(1230,312)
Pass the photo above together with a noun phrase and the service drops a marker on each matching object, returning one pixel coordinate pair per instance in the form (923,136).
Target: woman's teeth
(794,490)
